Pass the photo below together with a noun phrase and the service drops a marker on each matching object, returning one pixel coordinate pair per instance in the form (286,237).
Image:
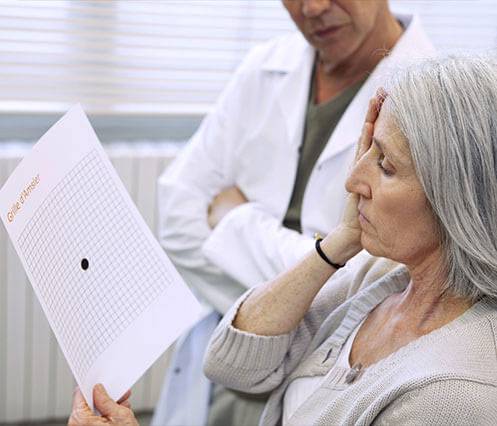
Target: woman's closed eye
(386,168)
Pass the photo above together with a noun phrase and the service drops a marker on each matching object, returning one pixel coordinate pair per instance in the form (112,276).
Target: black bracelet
(324,257)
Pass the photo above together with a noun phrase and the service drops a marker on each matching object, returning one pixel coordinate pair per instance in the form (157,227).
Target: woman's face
(394,214)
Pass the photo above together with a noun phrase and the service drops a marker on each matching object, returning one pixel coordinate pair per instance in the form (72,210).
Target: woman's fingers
(124,397)
(374,108)
(372,113)
(113,413)
(116,414)
(364,140)
(81,414)
(124,400)
(126,404)
(78,402)
(381,94)
(103,402)
(375,104)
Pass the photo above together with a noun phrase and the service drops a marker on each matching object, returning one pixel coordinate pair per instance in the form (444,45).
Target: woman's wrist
(340,245)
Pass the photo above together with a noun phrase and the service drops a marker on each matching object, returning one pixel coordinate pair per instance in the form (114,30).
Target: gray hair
(447,110)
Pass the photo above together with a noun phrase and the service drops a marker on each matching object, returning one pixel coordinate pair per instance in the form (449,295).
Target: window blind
(166,57)
(143,57)
(455,25)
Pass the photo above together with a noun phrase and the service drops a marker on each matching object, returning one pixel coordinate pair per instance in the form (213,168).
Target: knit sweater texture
(446,377)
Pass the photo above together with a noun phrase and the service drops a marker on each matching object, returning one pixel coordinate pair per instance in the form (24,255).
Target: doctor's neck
(332,77)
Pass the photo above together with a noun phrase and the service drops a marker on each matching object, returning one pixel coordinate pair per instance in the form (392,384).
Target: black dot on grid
(84,264)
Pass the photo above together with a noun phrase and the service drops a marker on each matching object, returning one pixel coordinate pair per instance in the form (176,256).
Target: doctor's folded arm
(391,318)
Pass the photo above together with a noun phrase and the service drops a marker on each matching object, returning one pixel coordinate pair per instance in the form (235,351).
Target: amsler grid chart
(111,295)
(84,258)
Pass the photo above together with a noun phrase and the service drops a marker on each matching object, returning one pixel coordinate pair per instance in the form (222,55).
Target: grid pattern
(85,216)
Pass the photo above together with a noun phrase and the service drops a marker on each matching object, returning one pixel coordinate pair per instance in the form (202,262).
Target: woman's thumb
(103,402)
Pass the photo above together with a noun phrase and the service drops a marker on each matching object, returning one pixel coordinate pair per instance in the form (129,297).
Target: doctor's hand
(223,203)
(113,413)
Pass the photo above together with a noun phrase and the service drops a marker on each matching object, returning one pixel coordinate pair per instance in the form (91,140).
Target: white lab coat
(251,140)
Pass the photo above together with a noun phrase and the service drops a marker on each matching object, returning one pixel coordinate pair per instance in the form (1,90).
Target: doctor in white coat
(224,200)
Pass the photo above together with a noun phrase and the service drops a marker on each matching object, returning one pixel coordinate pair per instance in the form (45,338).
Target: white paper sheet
(112,297)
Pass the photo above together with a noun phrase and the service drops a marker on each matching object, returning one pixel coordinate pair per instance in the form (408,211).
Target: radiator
(35,381)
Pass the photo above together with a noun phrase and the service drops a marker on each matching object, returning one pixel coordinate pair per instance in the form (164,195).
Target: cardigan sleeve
(453,402)
(255,364)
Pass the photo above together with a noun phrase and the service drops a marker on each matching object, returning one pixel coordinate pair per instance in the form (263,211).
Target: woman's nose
(314,8)
(359,180)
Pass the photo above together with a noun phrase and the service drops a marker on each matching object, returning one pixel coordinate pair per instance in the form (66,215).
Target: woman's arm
(265,334)
(278,306)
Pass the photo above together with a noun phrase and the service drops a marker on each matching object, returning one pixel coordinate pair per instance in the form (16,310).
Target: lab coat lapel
(295,67)
(413,42)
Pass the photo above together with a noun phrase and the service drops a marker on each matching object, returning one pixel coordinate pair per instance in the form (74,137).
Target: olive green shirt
(320,122)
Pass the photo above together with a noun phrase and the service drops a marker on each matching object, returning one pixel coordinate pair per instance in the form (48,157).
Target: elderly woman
(415,345)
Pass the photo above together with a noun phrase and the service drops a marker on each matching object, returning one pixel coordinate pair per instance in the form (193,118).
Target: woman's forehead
(390,137)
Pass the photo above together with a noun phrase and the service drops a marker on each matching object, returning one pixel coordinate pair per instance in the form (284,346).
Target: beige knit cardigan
(447,377)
